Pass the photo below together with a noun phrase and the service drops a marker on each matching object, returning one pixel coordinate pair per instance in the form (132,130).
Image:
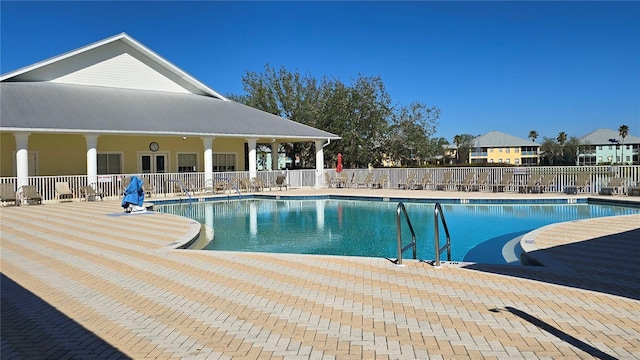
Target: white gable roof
(118,62)
(602,136)
(500,139)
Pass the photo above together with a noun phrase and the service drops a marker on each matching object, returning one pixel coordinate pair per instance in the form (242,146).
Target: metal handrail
(182,187)
(402,209)
(438,210)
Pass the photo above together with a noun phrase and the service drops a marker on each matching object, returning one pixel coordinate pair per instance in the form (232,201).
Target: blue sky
(507,66)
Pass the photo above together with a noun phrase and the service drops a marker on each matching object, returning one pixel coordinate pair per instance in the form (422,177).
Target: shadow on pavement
(33,329)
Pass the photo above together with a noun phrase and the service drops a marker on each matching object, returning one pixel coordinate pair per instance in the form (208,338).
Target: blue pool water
(369,228)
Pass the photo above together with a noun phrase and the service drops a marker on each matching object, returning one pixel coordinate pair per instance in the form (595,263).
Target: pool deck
(83,280)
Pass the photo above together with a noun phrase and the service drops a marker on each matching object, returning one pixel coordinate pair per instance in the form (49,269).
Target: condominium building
(605,146)
(496,147)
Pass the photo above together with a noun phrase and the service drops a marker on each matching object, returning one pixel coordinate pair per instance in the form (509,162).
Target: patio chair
(546,182)
(427,180)
(467,182)
(259,184)
(221,185)
(380,182)
(63,192)
(615,186)
(30,194)
(247,184)
(447,181)
(88,193)
(582,181)
(148,188)
(281,182)
(409,183)
(329,180)
(507,180)
(366,182)
(482,182)
(532,183)
(8,193)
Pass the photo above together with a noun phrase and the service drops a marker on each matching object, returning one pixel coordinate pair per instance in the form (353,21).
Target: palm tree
(562,138)
(457,140)
(624,131)
(533,135)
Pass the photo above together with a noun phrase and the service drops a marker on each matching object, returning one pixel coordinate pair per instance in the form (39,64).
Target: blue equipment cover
(133,194)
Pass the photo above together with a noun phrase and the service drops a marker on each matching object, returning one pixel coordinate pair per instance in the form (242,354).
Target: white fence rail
(165,184)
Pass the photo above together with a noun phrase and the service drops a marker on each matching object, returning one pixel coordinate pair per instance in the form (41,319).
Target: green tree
(361,113)
(533,135)
(623,130)
(463,142)
(409,132)
(549,151)
(562,138)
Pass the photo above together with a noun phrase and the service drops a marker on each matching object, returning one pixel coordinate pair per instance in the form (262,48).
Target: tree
(409,132)
(463,142)
(360,113)
(562,138)
(624,131)
(533,135)
(549,151)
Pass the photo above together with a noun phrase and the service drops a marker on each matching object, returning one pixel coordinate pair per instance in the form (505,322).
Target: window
(508,161)
(508,150)
(500,161)
(224,162)
(491,150)
(517,161)
(109,164)
(599,147)
(491,161)
(500,150)
(187,163)
(517,150)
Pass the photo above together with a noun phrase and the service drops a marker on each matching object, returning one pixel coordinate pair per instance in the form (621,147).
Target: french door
(153,163)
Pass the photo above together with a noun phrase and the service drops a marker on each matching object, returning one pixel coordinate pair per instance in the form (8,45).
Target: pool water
(369,228)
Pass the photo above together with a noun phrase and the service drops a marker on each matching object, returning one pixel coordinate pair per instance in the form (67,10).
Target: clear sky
(507,66)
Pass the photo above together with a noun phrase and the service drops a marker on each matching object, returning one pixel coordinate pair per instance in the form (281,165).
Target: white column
(92,159)
(22,158)
(253,166)
(208,160)
(274,156)
(319,164)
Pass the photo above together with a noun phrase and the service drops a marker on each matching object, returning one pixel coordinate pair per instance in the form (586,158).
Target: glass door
(153,163)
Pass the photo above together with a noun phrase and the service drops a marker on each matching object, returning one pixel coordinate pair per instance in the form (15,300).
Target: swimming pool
(368,228)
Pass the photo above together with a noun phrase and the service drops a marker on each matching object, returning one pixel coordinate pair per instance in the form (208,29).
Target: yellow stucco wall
(67,154)
(507,154)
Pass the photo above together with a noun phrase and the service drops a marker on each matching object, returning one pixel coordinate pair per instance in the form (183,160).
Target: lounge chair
(545,183)
(482,181)
(342,181)
(366,182)
(380,182)
(149,189)
(329,180)
(532,183)
(582,181)
(246,184)
(615,186)
(447,181)
(409,183)
(221,185)
(8,193)
(259,185)
(507,180)
(88,193)
(63,192)
(467,182)
(30,194)
(427,180)
(281,182)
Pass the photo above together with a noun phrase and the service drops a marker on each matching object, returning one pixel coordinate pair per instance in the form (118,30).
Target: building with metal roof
(117,107)
(500,148)
(605,146)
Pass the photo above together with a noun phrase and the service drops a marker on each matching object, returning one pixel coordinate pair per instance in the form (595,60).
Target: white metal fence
(166,183)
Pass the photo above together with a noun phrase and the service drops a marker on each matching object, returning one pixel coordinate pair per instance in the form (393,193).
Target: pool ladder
(436,238)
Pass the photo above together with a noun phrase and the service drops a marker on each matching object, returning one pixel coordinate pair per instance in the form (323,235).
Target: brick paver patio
(81,280)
